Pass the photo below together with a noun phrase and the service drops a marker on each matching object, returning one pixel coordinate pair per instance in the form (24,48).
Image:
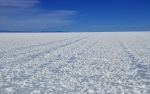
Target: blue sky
(75,15)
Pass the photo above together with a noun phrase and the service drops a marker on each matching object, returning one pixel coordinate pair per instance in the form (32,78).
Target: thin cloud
(118,25)
(102,26)
(18,3)
(23,15)
(41,21)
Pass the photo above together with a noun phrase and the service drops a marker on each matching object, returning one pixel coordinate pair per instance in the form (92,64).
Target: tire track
(25,51)
(35,67)
(58,57)
(89,47)
(32,57)
(35,46)
(143,71)
(73,59)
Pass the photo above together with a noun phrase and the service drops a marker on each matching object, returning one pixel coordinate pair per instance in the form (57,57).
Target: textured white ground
(75,63)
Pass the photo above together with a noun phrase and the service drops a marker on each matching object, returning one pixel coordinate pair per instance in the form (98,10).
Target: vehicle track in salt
(73,59)
(28,51)
(37,54)
(143,71)
(36,46)
(61,66)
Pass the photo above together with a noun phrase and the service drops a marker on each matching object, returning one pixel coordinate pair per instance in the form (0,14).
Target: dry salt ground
(75,63)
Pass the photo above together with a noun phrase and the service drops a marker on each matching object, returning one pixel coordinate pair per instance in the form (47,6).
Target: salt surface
(75,63)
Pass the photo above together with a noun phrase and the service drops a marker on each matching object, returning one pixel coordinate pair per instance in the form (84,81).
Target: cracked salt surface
(75,63)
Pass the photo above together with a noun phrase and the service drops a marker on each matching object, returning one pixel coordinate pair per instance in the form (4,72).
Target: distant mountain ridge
(9,31)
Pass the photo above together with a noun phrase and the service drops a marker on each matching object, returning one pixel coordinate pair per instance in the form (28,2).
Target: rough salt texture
(75,63)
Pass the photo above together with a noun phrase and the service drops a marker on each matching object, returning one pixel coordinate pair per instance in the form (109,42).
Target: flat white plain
(75,63)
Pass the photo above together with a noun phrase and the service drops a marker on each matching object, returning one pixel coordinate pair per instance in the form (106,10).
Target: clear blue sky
(75,15)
